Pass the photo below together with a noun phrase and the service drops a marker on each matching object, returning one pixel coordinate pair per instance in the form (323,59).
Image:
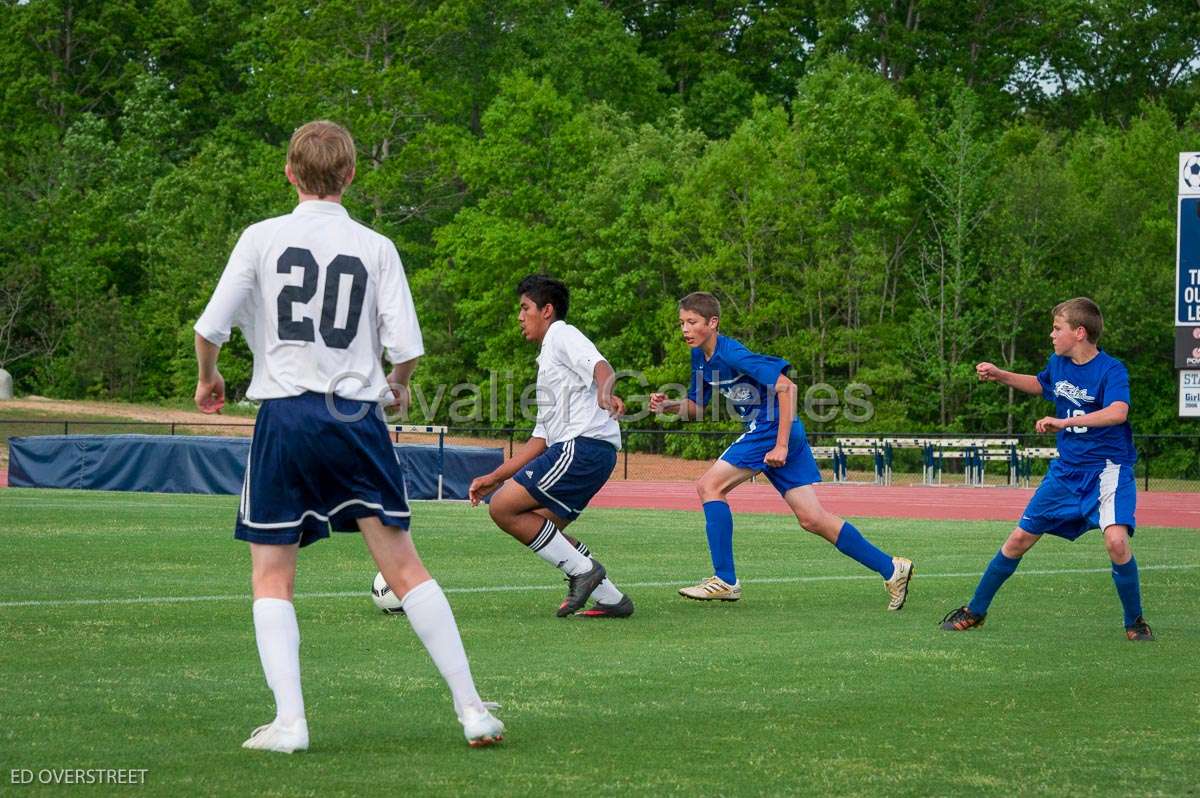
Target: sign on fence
(1187,347)
(1187,285)
(1189,394)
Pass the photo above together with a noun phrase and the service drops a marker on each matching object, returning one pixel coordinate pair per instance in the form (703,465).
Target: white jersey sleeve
(576,351)
(567,391)
(399,332)
(227,307)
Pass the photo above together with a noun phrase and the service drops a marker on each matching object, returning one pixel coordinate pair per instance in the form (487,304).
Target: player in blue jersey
(1091,484)
(774,443)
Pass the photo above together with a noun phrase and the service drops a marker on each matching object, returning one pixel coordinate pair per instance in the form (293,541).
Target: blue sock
(851,543)
(1125,577)
(718,525)
(998,570)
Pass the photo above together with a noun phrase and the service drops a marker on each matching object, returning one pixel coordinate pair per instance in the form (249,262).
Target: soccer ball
(384,598)
(1191,173)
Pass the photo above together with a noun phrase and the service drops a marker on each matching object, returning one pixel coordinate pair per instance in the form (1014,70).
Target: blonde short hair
(321,155)
(1082,312)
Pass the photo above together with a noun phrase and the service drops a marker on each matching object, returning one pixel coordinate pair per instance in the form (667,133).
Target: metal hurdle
(926,447)
(441,455)
(1028,455)
(975,454)
(834,454)
(865,446)
(954,449)
(1002,450)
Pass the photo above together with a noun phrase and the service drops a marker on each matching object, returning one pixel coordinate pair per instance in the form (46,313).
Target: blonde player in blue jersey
(1091,484)
(545,485)
(320,298)
(773,444)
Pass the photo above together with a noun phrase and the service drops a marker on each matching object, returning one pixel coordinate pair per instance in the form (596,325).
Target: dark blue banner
(1187,265)
(197,464)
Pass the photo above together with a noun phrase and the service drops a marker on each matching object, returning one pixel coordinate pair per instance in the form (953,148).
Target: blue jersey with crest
(745,378)
(1079,389)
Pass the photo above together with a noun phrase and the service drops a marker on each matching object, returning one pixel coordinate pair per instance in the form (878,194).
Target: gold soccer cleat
(714,588)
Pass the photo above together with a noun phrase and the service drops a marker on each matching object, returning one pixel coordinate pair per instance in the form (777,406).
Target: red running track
(939,502)
(943,502)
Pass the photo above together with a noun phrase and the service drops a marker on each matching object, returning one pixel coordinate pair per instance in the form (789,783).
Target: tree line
(882,191)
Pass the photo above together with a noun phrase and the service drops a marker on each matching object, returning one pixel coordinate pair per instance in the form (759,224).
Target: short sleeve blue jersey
(745,378)
(1079,389)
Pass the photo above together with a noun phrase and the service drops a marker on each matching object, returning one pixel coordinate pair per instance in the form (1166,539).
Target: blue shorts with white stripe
(565,477)
(1070,501)
(315,464)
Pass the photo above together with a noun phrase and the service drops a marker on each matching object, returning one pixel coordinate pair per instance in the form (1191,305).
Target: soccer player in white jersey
(570,455)
(319,299)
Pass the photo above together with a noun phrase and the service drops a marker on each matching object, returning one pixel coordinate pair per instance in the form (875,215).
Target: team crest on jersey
(741,394)
(1073,394)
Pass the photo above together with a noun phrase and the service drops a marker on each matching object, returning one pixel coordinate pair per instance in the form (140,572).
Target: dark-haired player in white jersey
(569,456)
(320,298)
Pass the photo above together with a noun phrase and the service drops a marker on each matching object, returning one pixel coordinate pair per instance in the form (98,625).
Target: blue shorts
(565,477)
(309,470)
(1070,501)
(750,451)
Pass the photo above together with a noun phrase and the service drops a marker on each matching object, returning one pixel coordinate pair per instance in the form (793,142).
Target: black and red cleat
(962,619)
(1140,630)
(622,609)
(579,587)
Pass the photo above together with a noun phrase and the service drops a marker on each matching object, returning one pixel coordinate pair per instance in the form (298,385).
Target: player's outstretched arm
(1026,383)
(1110,416)
(686,409)
(210,385)
(486,484)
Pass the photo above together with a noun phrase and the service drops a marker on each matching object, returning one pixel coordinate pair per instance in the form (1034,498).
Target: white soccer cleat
(277,737)
(482,728)
(897,586)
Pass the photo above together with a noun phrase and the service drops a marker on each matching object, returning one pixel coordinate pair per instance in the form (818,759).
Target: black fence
(1165,462)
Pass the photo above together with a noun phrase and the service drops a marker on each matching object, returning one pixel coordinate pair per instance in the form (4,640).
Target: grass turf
(805,686)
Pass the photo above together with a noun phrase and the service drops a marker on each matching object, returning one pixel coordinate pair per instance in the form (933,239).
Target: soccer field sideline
(777,580)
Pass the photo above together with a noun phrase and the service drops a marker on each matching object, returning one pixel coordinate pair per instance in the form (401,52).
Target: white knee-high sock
(278,637)
(433,621)
(553,547)
(607,593)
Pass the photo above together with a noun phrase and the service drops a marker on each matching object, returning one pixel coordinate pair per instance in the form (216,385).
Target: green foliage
(883,193)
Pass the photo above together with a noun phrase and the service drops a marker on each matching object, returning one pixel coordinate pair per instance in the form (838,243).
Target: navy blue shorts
(309,470)
(565,477)
(1071,501)
(750,451)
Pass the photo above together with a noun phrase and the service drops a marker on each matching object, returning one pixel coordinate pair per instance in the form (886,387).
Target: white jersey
(566,389)
(319,298)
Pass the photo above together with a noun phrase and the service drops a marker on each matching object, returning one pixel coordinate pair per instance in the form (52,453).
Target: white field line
(361,594)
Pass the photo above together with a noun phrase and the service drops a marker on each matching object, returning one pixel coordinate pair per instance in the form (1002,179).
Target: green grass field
(126,642)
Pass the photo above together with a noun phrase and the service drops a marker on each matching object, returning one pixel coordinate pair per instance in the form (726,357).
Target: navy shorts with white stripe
(565,477)
(310,470)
